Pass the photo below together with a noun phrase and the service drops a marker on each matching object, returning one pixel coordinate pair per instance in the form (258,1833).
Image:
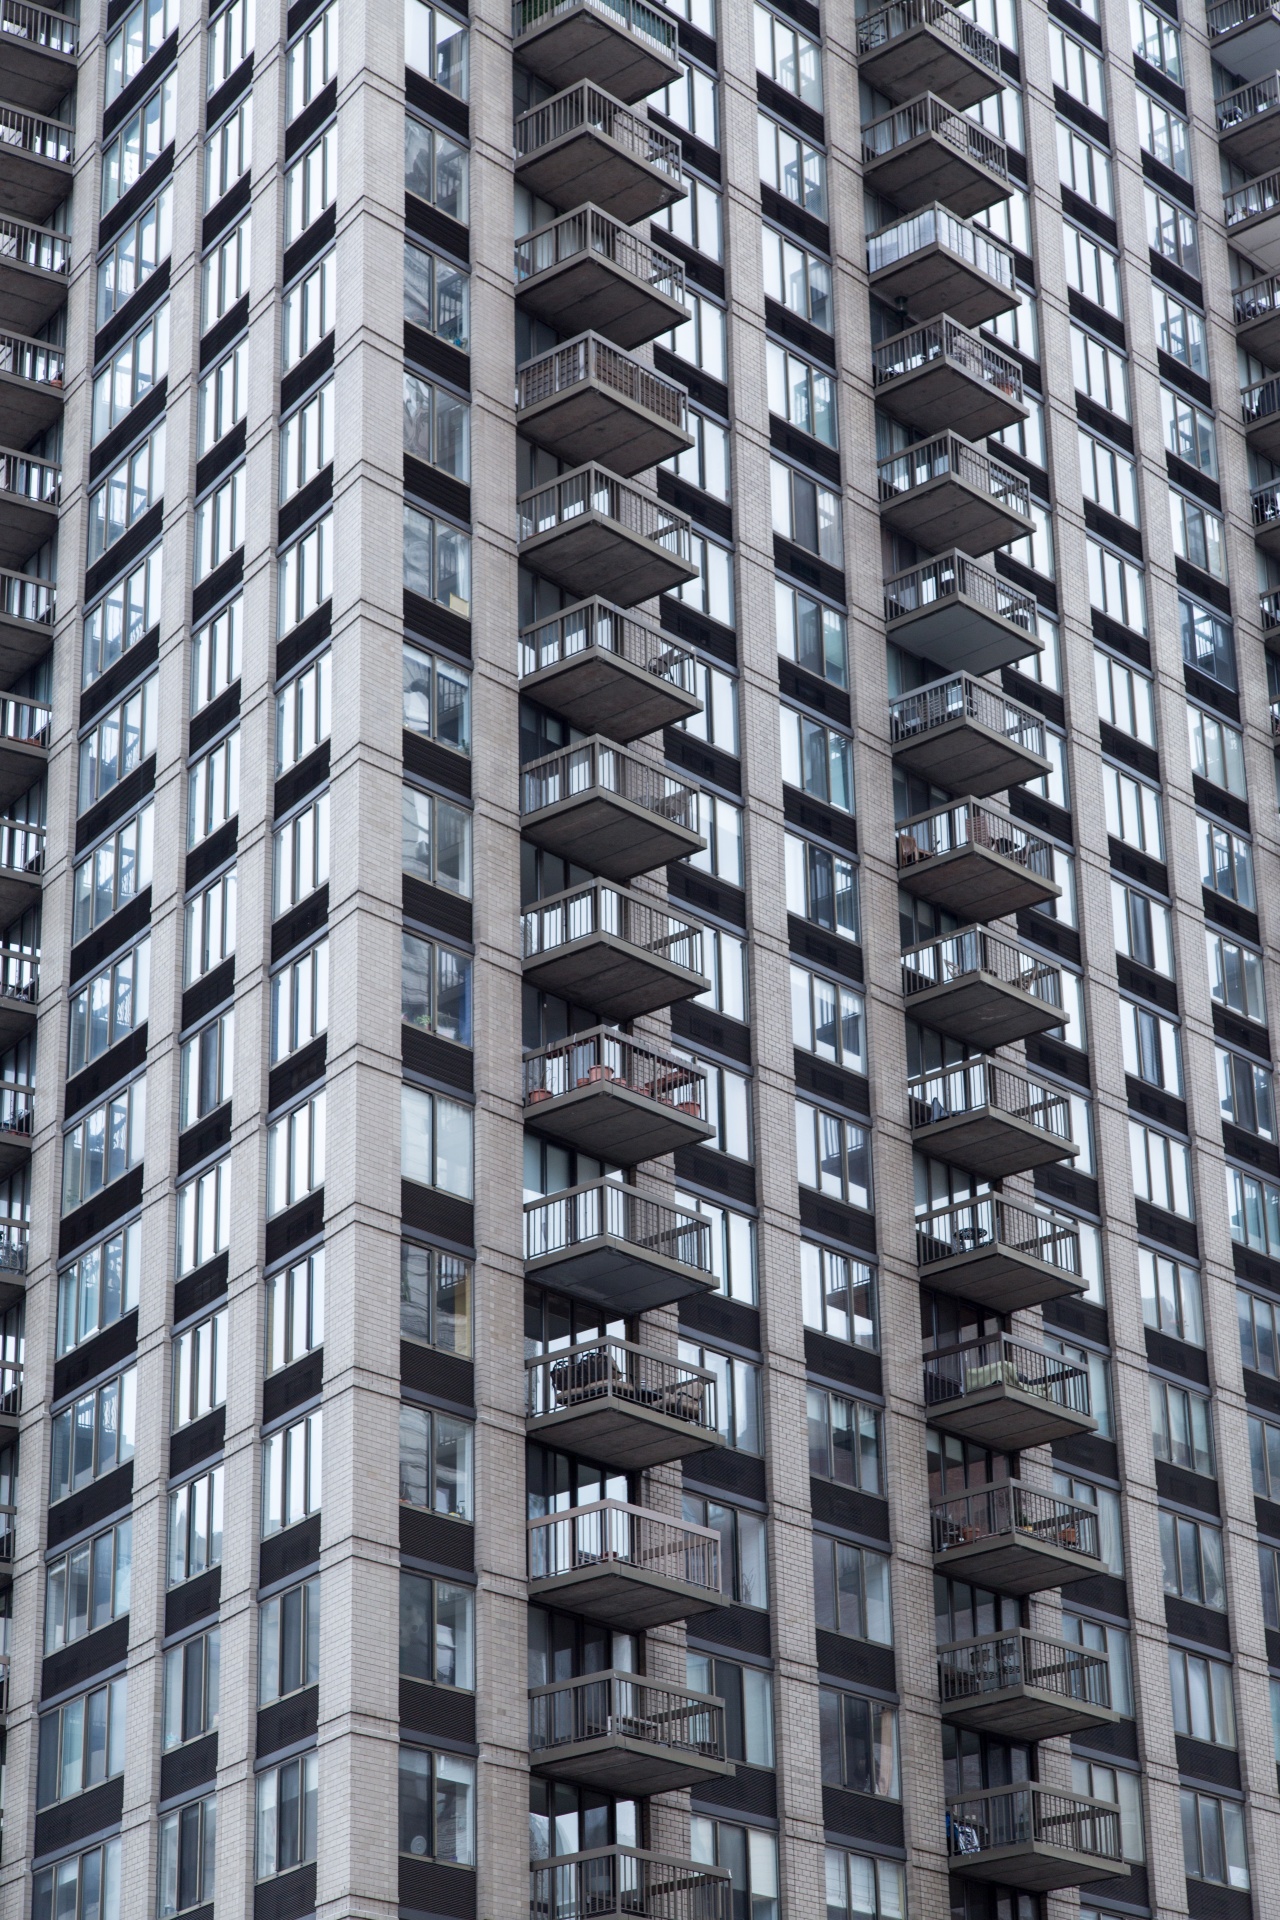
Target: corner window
(290,1474)
(838,1296)
(81,1743)
(437,1632)
(833,1155)
(437,426)
(437,698)
(437,1806)
(88,1587)
(187,1847)
(210,927)
(215,655)
(846,1440)
(289,1641)
(287,1816)
(300,1001)
(437,561)
(859,1741)
(295,1312)
(295,1155)
(204,1216)
(103,1145)
(851,1590)
(436,840)
(435,989)
(195,1527)
(200,1370)
(109,1007)
(436,46)
(435,1298)
(435,1462)
(191,1689)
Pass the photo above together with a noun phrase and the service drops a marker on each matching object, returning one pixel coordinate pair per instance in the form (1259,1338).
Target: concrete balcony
(624,1734)
(1244,35)
(17,1124)
(587,400)
(988,1118)
(1260,414)
(590,529)
(8,1551)
(941,371)
(29,493)
(621,954)
(1264,503)
(617,1883)
(621,1250)
(925,150)
(588,270)
(623,45)
(39,55)
(1269,610)
(30,387)
(621,1404)
(1034,1838)
(933,263)
(19,991)
(10,1391)
(960,615)
(925,46)
(601,807)
(24,746)
(944,493)
(964,734)
(1256,309)
(626,1566)
(35,163)
(584,145)
(1014,1538)
(21,867)
(1000,1255)
(614,1098)
(1249,123)
(1004,1394)
(974,860)
(1251,216)
(607,671)
(34,264)
(1021,1686)
(981,988)
(26,623)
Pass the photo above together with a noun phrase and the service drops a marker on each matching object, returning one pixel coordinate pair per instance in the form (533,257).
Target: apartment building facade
(639,1174)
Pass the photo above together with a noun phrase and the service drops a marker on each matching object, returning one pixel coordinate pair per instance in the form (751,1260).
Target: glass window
(733,1246)
(210,927)
(306,442)
(308,311)
(1125,697)
(213,789)
(1163,134)
(435,988)
(220,524)
(437,561)
(833,1155)
(1198,535)
(437,1806)
(1188,432)
(789,57)
(838,1296)
(1253,1209)
(133,486)
(435,1462)
(287,1816)
(1217,751)
(436,46)
(1084,168)
(851,1590)
(1116,586)
(1124,1790)
(104,1144)
(204,1216)
(1133,811)
(190,1686)
(311,185)
(1192,1559)
(295,1154)
(711,591)
(1143,928)
(135,254)
(225,274)
(1181,1427)
(811,634)
(289,1641)
(436,840)
(1152,1047)
(749,1855)
(697,219)
(797,279)
(228,152)
(859,1741)
(437,295)
(1213,1841)
(195,1527)
(99,1287)
(140,142)
(223,397)
(81,1743)
(846,1442)
(1226,862)
(187,1848)
(1246,1094)
(702,338)
(1171,1296)
(807,513)
(816,759)
(1078,70)
(747,1694)
(1203,1708)
(822,886)
(135,367)
(1235,976)
(84,1887)
(311,62)
(290,1474)
(126,614)
(1207,642)
(437,1631)
(1101,373)
(437,426)
(301,855)
(1161,1170)
(109,1007)
(199,1369)
(437,698)
(739,1412)
(792,166)
(215,655)
(1156,38)
(1092,269)
(142,32)
(1108,478)
(300,1001)
(294,1312)
(303,713)
(1180,329)
(436,168)
(435,1298)
(801,393)
(744,1560)
(1100,1637)
(860,1887)
(88,1587)
(436,1141)
(305,577)
(230,41)
(1171,232)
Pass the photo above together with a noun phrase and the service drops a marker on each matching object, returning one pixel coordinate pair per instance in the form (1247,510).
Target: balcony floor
(587,165)
(1267,535)
(21,765)
(1008,1419)
(1001,1279)
(615,1763)
(25,525)
(1261,337)
(592,422)
(934,280)
(928,168)
(23,645)
(1263,435)
(618,1276)
(991,1143)
(1259,238)
(963,756)
(628,1598)
(1024,1712)
(1035,1867)
(617,981)
(15,1152)
(31,187)
(1015,1563)
(35,78)
(609,834)
(589,554)
(587,293)
(1251,145)
(611,1122)
(959,634)
(17,1020)
(983,1010)
(28,297)
(601,692)
(941,390)
(621,1432)
(1252,49)
(926,61)
(977,883)
(585,45)
(948,512)
(27,407)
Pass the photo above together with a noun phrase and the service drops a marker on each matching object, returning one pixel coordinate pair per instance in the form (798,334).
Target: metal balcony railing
(27,478)
(983,1082)
(1256,196)
(13,1246)
(1259,401)
(34,246)
(25,720)
(17,1108)
(24,598)
(1275,719)
(968,823)
(929,115)
(618,1880)
(19,975)
(576,1376)
(34,134)
(596,490)
(901,16)
(975,950)
(606,1209)
(11,1387)
(613,1704)
(598,624)
(587,105)
(1269,607)
(646,23)
(1246,103)
(1256,299)
(37,25)
(1003,1361)
(954,573)
(937,226)
(1037,1233)
(21,847)
(588,230)
(8,1533)
(598,908)
(968,1669)
(614,1532)
(31,360)
(4,1682)
(598,763)
(1223,15)
(948,453)
(601,1057)
(1033,1815)
(941,339)
(590,357)
(1265,504)
(962,697)
(1009,1507)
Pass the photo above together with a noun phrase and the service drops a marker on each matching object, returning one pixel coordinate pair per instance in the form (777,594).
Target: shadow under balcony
(24,746)
(1244,35)
(941,371)
(615,1098)
(1265,506)
(13,1278)
(607,671)
(34,264)
(999,1254)
(623,45)
(35,163)
(26,623)
(583,144)
(621,1404)
(588,270)
(1251,216)
(10,1395)
(39,55)
(620,1250)
(975,860)
(29,494)
(628,1567)
(1034,1837)
(624,1734)
(1005,1394)
(989,1118)
(1249,122)
(600,806)
(618,1883)
(21,868)
(586,400)
(17,1123)
(978,987)
(1260,416)
(944,493)
(621,954)
(19,991)
(31,395)
(590,529)
(932,263)
(965,735)
(1256,310)
(1015,1538)
(927,46)
(924,150)
(961,616)
(1021,1686)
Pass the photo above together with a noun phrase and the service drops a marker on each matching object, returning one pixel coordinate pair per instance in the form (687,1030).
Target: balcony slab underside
(964,756)
(616,980)
(977,883)
(1036,1867)
(25,525)
(621,1763)
(15,1151)
(591,552)
(585,164)
(18,892)
(929,168)
(27,407)
(1252,49)
(624,1432)
(1008,1418)
(587,292)
(1259,238)
(593,422)
(1025,1712)
(612,1122)
(17,1020)
(13,1288)
(1263,434)
(619,1276)
(933,280)
(609,834)
(1251,144)
(23,644)
(922,60)
(948,512)
(32,187)
(957,632)
(629,1598)
(942,391)
(601,692)
(1261,337)
(28,296)
(982,1009)
(1000,1278)
(1267,534)
(21,765)
(36,78)
(989,1142)
(583,44)
(1016,1563)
